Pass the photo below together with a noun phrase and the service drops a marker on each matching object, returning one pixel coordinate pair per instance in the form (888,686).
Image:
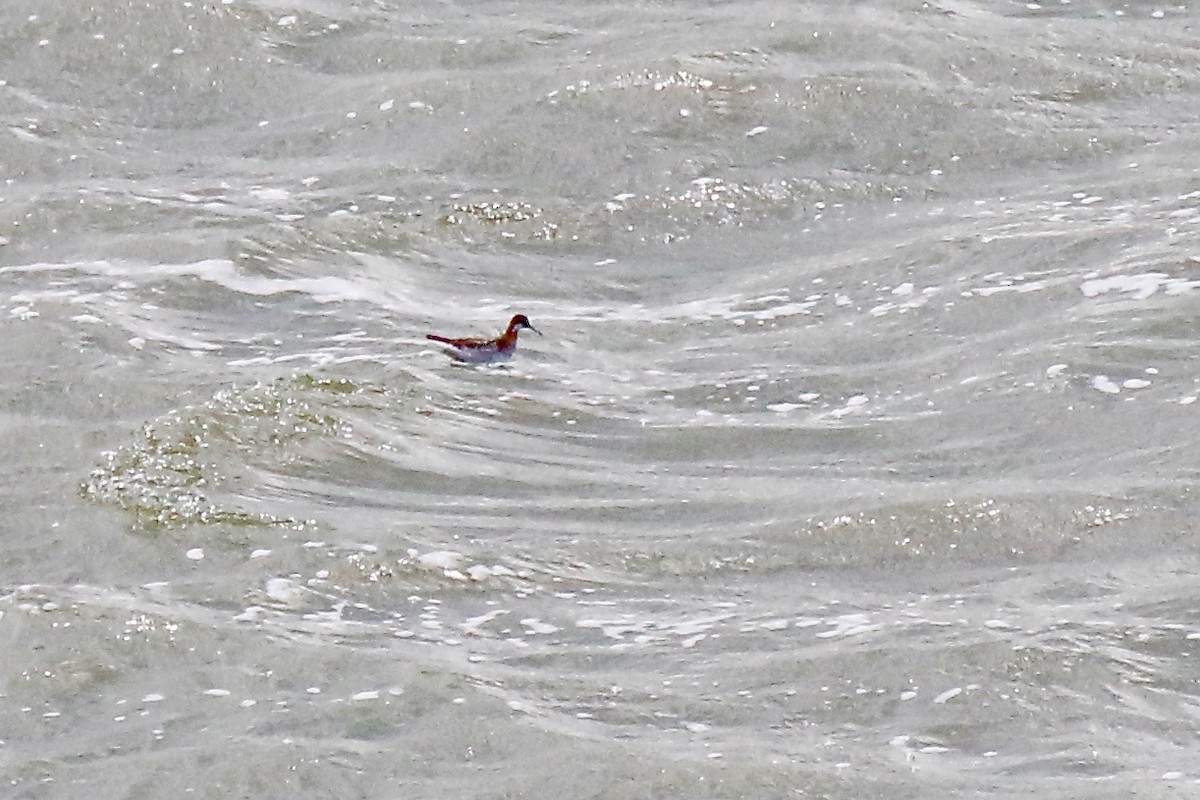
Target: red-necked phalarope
(482,351)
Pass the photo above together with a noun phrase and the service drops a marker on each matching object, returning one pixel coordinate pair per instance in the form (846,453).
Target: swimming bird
(482,351)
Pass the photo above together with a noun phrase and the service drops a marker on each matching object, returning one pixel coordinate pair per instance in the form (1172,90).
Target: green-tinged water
(856,458)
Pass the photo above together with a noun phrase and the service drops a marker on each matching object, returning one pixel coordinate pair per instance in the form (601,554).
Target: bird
(484,351)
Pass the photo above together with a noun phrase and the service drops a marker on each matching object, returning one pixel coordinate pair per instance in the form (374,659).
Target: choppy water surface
(857,459)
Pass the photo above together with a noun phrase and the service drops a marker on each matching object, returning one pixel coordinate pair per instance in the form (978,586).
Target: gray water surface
(856,459)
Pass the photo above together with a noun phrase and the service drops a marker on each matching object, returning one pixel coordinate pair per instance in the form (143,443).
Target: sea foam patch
(1139,286)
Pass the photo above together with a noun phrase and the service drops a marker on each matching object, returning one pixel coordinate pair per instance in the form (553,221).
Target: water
(856,460)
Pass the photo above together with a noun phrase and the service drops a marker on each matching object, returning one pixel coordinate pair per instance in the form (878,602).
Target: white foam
(1055,370)
(251,614)
(1139,286)
(440,559)
(784,310)
(847,625)
(853,404)
(222,272)
(947,695)
(271,195)
(1103,383)
(474,625)
(282,590)
(479,572)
